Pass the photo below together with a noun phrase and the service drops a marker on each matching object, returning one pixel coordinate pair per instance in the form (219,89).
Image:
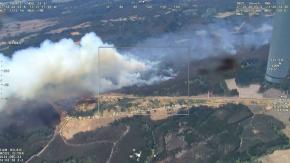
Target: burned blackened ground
(209,75)
(29,127)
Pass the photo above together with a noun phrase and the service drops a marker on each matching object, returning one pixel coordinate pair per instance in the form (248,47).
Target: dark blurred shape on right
(278,60)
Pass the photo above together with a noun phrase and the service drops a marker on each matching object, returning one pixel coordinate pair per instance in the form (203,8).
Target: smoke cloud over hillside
(64,68)
(221,37)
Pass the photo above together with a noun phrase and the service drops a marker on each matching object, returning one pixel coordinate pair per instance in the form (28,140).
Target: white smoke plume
(213,39)
(64,67)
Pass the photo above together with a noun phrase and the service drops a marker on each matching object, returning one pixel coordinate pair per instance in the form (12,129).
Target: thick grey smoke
(66,68)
